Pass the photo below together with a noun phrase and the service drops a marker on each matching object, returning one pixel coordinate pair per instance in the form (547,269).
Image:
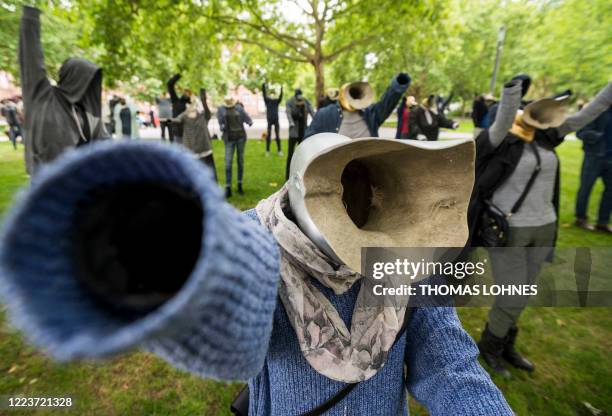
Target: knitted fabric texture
(238,261)
(225,321)
(325,341)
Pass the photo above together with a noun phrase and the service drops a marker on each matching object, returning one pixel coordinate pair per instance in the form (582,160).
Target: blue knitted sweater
(225,322)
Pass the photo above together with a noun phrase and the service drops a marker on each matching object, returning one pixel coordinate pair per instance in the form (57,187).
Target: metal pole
(500,45)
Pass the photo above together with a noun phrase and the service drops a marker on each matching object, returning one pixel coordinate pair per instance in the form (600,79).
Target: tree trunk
(319,81)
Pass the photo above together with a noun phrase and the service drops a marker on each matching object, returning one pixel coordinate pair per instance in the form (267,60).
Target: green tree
(60,34)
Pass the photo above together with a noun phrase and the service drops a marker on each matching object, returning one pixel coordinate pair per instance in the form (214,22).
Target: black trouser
(166,125)
(518,263)
(292,142)
(210,162)
(269,136)
(176,133)
(14,131)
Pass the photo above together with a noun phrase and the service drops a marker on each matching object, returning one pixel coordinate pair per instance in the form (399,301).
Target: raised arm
(206,308)
(589,112)
(280,97)
(447,102)
(203,98)
(383,108)
(508,106)
(172,87)
(31,59)
(264,91)
(443,369)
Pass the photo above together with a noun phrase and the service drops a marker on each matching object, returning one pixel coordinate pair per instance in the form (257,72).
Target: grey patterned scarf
(324,339)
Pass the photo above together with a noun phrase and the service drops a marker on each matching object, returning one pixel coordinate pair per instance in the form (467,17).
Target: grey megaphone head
(347,194)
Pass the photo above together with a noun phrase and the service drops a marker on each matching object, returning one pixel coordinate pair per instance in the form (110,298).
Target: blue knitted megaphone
(124,244)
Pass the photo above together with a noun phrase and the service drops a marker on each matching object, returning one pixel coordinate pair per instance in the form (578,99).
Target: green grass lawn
(571,347)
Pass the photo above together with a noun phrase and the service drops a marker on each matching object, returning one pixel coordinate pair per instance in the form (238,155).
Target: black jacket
(272,104)
(179,104)
(479,111)
(495,165)
(56,117)
(419,124)
(9,112)
(597,135)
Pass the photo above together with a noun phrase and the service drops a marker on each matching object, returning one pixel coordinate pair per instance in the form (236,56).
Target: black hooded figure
(179,105)
(526,83)
(272,103)
(56,117)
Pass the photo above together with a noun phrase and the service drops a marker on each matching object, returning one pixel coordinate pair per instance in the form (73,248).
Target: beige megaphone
(546,112)
(347,194)
(356,96)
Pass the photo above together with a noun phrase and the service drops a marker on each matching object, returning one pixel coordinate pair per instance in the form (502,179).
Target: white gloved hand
(455,124)
(421,137)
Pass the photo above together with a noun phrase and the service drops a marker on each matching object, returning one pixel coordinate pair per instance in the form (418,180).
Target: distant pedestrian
(428,120)
(331,97)
(597,163)
(107,114)
(152,118)
(196,136)
(272,99)
(126,120)
(164,113)
(232,118)
(298,109)
(112,103)
(407,105)
(179,105)
(11,115)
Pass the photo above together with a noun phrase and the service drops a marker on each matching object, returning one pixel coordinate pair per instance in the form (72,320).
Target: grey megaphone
(347,194)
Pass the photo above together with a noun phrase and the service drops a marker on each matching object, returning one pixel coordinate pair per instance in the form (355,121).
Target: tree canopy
(445,45)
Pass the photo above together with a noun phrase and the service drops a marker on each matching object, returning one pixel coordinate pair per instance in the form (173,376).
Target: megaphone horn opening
(136,244)
(356,92)
(357,193)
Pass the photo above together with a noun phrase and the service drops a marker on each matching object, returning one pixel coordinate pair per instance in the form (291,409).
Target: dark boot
(604,227)
(491,349)
(228,192)
(584,224)
(240,190)
(511,355)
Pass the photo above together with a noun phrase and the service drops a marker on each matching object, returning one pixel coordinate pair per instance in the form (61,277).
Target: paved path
(260,126)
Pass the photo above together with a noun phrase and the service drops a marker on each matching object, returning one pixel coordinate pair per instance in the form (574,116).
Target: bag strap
(344,391)
(534,175)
